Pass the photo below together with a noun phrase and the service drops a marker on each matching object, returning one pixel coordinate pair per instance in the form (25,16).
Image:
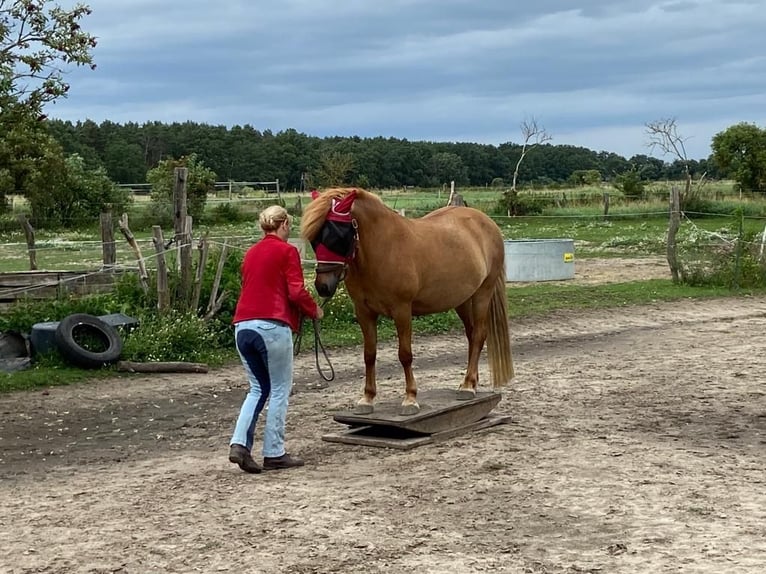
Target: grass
(49,371)
(635,229)
(631,233)
(541,299)
(536,300)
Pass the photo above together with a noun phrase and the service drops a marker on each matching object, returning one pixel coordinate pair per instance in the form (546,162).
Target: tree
(663,135)
(446,167)
(200,182)
(533,135)
(38,40)
(740,152)
(62,191)
(334,168)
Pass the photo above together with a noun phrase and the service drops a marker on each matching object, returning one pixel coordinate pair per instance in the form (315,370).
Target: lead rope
(317,345)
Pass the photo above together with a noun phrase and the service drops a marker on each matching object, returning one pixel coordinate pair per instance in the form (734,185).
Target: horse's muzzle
(328,276)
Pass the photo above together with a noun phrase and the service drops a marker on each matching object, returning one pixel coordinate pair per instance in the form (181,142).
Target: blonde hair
(272,217)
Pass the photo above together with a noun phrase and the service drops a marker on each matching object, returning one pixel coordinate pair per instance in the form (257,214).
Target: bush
(64,193)
(200,182)
(631,185)
(173,337)
(224,213)
(513,203)
(734,264)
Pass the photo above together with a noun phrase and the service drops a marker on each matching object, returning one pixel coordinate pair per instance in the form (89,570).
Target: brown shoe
(280,462)
(239,455)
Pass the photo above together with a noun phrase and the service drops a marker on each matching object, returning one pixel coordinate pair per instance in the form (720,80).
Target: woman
(268,311)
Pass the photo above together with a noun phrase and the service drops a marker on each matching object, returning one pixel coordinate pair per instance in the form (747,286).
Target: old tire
(88,342)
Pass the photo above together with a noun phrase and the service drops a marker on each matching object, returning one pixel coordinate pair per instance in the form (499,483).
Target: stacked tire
(88,342)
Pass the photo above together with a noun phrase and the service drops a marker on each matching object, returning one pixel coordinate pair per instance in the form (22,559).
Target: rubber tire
(80,356)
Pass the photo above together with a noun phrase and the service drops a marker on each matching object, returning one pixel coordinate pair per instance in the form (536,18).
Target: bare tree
(663,135)
(533,135)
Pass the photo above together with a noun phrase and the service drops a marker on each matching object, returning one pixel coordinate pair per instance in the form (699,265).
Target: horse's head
(327,223)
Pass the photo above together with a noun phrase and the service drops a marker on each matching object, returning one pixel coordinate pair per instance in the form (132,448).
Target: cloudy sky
(591,72)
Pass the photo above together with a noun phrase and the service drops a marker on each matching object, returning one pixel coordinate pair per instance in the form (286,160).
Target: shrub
(173,337)
(224,213)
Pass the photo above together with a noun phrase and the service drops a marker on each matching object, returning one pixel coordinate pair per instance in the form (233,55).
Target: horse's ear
(314,194)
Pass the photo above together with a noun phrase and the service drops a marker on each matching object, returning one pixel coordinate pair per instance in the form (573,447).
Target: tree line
(243,153)
(68,172)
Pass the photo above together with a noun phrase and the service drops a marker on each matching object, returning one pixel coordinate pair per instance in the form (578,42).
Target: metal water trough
(539,259)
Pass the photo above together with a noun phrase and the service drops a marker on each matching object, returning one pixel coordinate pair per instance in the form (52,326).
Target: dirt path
(636,445)
(615,461)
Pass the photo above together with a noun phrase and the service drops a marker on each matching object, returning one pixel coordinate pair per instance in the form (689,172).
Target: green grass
(49,371)
(632,230)
(627,234)
(533,300)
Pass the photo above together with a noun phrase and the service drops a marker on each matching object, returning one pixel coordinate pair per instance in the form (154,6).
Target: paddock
(637,443)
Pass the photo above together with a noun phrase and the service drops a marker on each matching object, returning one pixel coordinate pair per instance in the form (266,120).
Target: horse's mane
(315,213)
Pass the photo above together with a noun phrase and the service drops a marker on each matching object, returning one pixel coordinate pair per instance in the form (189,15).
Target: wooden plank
(439,410)
(51,284)
(378,436)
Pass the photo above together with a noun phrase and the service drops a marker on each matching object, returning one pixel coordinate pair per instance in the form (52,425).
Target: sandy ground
(636,445)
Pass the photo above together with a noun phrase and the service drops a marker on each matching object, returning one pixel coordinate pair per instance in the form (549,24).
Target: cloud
(425,69)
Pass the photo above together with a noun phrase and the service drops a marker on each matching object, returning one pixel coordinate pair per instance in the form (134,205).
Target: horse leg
(403,322)
(475,311)
(467,390)
(368,322)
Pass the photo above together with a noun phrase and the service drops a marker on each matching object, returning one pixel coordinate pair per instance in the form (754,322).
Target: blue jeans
(266,350)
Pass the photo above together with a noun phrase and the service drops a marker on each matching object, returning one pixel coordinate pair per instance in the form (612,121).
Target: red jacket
(273,285)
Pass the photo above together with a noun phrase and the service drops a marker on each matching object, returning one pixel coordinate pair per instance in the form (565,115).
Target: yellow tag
(568,257)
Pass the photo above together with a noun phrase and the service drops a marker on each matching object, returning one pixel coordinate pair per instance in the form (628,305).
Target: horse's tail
(498,336)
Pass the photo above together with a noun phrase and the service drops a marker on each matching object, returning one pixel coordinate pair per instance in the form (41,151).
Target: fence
(37,285)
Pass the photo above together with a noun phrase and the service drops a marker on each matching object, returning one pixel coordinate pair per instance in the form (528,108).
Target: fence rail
(51,284)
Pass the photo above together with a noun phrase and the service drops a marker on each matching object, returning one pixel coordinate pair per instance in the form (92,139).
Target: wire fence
(75,251)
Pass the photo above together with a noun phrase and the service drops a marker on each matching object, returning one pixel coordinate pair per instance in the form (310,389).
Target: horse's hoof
(409,410)
(363,409)
(465,395)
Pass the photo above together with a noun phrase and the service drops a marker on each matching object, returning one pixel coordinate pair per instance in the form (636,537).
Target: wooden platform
(442,416)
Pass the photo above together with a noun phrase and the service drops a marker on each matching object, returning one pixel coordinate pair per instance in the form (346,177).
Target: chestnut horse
(452,258)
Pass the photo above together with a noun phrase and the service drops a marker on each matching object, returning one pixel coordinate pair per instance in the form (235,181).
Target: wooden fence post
(673,226)
(163,297)
(29,233)
(182,236)
(108,247)
(203,247)
(606,204)
(214,304)
(143,276)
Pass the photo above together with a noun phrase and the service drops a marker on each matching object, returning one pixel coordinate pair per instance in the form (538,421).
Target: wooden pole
(108,246)
(203,246)
(279,195)
(182,232)
(163,297)
(606,204)
(143,276)
(29,233)
(217,280)
(673,226)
